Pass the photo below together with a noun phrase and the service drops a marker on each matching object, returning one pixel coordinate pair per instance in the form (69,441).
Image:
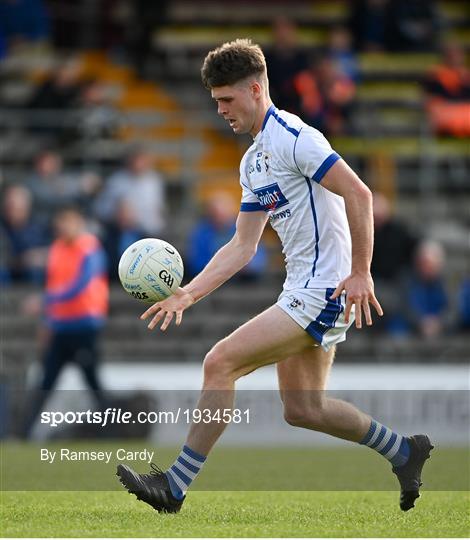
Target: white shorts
(321,317)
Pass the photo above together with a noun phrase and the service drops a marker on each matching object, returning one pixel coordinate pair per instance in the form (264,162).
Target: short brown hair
(232,62)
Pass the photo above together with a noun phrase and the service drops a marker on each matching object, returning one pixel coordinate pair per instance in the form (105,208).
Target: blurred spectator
(5,258)
(447,87)
(52,187)
(411,25)
(24,21)
(122,231)
(143,190)
(213,231)
(284,60)
(463,322)
(427,296)
(97,117)
(326,95)
(60,90)
(393,25)
(25,237)
(76,305)
(394,248)
(368,24)
(58,96)
(394,245)
(340,51)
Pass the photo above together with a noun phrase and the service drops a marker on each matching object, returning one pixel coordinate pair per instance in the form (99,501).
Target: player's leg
(302,384)
(268,338)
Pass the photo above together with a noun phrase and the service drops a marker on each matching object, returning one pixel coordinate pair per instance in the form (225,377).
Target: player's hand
(168,308)
(359,290)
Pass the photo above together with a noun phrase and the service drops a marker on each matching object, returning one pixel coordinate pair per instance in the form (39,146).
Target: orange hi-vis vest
(77,288)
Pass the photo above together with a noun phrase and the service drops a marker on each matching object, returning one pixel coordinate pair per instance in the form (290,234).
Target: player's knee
(306,416)
(217,364)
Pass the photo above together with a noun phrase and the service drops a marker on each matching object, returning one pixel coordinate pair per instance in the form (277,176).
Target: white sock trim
(378,428)
(185,470)
(384,441)
(191,460)
(392,452)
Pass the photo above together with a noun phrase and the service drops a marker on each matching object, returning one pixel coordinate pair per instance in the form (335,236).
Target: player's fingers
(179,318)
(153,323)
(150,311)
(347,311)
(366,309)
(358,312)
(377,306)
(167,321)
(338,291)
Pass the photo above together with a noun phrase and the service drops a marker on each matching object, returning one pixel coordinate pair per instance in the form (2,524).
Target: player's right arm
(224,264)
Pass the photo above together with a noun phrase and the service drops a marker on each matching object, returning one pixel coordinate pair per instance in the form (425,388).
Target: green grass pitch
(239,514)
(286,492)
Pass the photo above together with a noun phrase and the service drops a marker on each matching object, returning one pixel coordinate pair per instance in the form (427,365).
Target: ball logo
(170,251)
(166,278)
(135,264)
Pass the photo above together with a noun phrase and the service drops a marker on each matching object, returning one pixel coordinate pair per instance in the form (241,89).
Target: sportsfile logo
(271,197)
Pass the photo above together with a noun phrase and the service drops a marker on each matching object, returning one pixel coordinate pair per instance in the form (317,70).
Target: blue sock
(392,446)
(183,471)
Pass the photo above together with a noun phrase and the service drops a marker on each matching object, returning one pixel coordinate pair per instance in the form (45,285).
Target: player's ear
(256,89)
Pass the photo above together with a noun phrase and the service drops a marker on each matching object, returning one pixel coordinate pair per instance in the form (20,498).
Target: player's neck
(262,111)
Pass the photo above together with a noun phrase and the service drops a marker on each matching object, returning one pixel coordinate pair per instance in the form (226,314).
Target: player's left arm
(359,286)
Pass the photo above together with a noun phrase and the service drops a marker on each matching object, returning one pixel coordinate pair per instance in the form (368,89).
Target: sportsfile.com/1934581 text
(118,416)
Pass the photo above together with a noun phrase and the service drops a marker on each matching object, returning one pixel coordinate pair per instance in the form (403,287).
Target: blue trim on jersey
(317,237)
(268,114)
(325,167)
(284,124)
(251,207)
(327,317)
(272,112)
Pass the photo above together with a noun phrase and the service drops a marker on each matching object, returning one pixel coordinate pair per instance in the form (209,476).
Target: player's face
(237,104)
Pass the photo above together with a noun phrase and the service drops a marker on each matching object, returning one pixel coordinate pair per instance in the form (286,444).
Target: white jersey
(281,174)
